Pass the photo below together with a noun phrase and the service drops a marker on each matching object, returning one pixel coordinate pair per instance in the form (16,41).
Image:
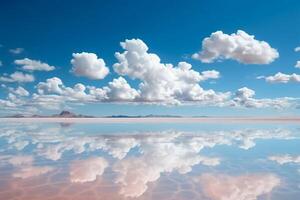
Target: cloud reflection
(284,159)
(135,160)
(24,167)
(82,171)
(244,187)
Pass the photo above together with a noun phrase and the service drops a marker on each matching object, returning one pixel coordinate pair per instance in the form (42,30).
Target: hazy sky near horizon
(150,57)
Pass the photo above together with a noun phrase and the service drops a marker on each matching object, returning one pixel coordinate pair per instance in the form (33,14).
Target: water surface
(207,161)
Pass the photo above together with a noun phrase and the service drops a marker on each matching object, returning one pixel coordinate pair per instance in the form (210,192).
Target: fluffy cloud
(89,65)
(163,82)
(244,187)
(285,159)
(17,77)
(239,46)
(52,94)
(54,91)
(49,102)
(16,50)
(6,104)
(120,90)
(82,171)
(117,90)
(33,65)
(245,97)
(245,93)
(297,64)
(52,85)
(159,83)
(281,78)
(20,91)
(19,100)
(297,49)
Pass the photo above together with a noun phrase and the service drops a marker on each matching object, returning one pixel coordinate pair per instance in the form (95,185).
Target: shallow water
(150,161)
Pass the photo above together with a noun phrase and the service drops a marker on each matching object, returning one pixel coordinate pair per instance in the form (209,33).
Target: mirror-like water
(149,161)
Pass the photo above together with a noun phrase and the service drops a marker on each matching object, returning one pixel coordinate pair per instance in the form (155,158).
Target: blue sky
(50,32)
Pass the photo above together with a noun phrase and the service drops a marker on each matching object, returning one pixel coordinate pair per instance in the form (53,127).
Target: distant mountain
(62,114)
(65,114)
(17,116)
(68,114)
(143,116)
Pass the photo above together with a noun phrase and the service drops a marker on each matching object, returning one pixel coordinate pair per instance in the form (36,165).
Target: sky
(191,58)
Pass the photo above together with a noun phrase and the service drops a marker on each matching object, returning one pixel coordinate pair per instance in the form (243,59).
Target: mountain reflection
(49,161)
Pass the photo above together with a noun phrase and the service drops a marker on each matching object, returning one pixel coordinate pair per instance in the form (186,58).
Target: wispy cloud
(16,51)
(33,65)
(281,78)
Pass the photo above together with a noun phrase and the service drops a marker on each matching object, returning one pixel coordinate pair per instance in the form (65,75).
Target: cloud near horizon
(281,78)
(157,82)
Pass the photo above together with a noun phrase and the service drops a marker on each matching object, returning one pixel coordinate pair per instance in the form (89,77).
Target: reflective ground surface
(149,161)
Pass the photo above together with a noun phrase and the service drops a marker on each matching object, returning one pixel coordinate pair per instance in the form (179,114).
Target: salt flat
(159,120)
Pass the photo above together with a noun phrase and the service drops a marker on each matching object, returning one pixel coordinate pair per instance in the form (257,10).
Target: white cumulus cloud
(89,65)
(239,46)
(297,64)
(281,78)
(52,85)
(155,83)
(161,82)
(120,90)
(245,97)
(20,91)
(17,77)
